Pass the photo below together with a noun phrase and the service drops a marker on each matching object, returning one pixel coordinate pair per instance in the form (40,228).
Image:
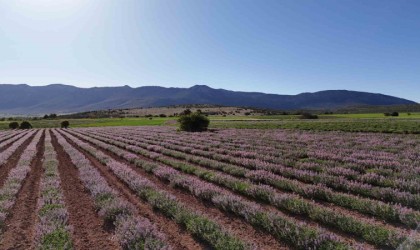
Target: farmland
(375,122)
(150,187)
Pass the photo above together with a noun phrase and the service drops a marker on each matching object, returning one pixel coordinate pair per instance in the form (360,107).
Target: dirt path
(88,229)
(12,161)
(235,225)
(19,232)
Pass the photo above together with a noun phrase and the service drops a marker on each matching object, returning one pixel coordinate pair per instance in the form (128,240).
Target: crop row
(15,178)
(52,229)
(9,135)
(336,182)
(197,224)
(342,167)
(4,156)
(363,152)
(392,213)
(368,230)
(346,166)
(298,234)
(132,231)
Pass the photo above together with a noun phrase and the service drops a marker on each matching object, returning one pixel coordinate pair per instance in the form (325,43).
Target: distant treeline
(119,113)
(380,109)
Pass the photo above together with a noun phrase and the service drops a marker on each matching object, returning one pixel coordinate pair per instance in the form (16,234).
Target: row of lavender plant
(14,139)
(351,171)
(352,150)
(365,152)
(391,213)
(367,229)
(336,182)
(9,135)
(15,178)
(133,232)
(259,158)
(411,185)
(199,225)
(299,234)
(52,229)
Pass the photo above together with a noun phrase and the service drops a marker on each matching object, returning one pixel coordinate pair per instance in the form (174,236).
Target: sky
(280,46)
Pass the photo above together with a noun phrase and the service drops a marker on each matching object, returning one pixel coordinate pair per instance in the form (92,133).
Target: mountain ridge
(23,99)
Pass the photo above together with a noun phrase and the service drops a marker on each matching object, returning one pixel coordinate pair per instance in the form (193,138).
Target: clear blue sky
(278,46)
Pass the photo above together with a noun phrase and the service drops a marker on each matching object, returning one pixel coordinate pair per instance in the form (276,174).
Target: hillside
(24,99)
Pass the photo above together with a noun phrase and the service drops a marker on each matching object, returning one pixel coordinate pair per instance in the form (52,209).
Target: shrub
(392,114)
(25,125)
(162,115)
(194,122)
(13,125)
(65,124)
(186,112)
(308,116)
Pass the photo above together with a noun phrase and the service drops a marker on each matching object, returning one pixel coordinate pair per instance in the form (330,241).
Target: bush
(25,125)
(65,124)
(186,112)
(194,122)
(308,116)
(13,125)
(392,114)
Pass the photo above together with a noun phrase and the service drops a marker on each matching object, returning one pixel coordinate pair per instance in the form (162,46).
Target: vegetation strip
(197,224)
(337,182)
(132,231)
(4,156)
(15,179)
(52,230)
(376,234)
(10,137)
(231,154)
(251,211)
(388,212)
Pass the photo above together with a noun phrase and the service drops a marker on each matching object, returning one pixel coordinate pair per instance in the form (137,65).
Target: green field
(335,122)
(409,126)
(102,122)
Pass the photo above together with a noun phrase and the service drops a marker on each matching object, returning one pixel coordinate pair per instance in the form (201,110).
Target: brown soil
(12,161)
(177,237)
(362,217)
(344,236)
(238,227)
(88,229)
(19,232)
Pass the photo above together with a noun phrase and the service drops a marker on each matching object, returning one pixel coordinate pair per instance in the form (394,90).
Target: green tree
(193,122)
(25,125)
(65,124)
(13,125)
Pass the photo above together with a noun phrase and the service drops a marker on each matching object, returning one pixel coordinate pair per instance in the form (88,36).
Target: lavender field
(157,188)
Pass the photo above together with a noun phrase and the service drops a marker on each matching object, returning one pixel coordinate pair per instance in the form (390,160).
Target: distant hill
(57,98)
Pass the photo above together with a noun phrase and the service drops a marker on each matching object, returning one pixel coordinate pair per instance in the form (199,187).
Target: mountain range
(23,99)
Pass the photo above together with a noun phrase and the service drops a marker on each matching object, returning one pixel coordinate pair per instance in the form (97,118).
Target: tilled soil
(12,161)
(20,225)
(89,231)
(235,225)
(177,237)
